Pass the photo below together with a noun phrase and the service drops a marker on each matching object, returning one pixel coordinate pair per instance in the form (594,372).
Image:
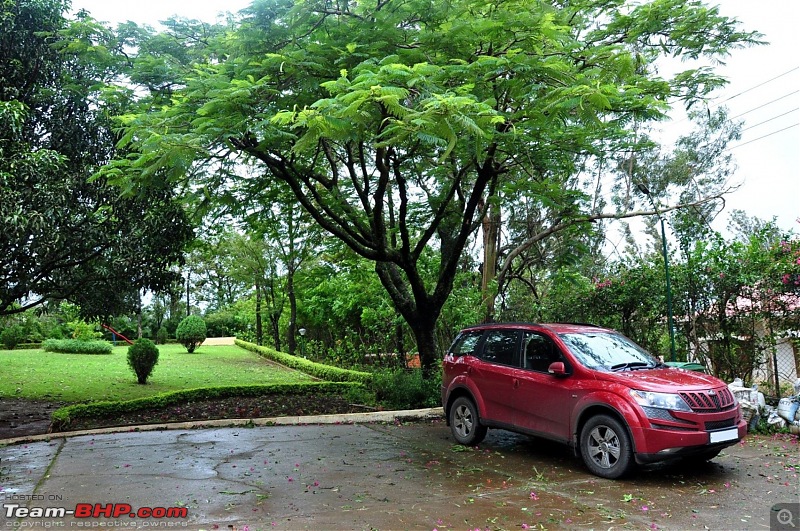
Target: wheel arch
(456,393)
(592,411)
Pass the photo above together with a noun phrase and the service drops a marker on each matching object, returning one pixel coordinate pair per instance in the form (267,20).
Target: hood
(666,380)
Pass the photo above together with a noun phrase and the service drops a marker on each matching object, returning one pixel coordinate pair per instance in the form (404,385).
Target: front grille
(720,424)
(709,401)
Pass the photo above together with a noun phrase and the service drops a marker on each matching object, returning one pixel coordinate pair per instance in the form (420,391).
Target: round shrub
(142,357)
(12,336)
(191,332)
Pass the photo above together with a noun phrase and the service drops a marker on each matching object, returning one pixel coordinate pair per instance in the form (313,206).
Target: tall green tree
(292,236)
(256,263)
(394,122)
(64,237)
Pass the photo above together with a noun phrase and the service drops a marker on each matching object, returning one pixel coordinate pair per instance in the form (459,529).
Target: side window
(465,344)
(501,346)
(539,352)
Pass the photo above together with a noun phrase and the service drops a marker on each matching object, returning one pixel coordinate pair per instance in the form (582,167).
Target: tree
(256,263)
(142,359)
(393,123)
(213,261)
(191,332)
(64,237)
(292,237)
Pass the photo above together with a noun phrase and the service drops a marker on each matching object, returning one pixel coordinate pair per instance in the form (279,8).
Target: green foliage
(11,336)
(62,418)
(83,331)
(762,427)
(162,335)
(785,267)
(142,358)
(63,235)
(191,332)
(406,389)
(435,116)
(325,372)
(233,320)
(76,346)
(730,294)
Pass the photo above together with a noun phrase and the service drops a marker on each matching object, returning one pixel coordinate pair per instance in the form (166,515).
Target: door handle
(516,383)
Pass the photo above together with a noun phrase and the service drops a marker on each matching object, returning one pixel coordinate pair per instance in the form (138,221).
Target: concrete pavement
(386,472)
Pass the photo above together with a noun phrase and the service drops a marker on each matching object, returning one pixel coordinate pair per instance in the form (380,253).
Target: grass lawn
(39,375)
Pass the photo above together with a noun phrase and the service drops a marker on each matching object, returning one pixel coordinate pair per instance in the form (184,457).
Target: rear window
(465,344)
(501,346)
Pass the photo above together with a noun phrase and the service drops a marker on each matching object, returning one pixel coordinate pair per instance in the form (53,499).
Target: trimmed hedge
(29,346)
(63,417)
(318,370)
(76,346)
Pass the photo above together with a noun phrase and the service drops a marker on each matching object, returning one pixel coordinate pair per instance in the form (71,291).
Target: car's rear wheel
(606,447)
(464,422)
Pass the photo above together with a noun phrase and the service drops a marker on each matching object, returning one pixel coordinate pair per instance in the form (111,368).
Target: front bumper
(659,444)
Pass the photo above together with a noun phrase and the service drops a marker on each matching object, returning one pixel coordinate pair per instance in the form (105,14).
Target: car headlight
(669,401)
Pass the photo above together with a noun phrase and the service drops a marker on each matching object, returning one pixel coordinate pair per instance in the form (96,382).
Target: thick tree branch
(588,219)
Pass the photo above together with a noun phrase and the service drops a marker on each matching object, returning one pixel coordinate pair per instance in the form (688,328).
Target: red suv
(589,387)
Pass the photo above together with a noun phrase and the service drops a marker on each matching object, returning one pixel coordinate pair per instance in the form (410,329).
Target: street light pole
(646,191)
(302,333)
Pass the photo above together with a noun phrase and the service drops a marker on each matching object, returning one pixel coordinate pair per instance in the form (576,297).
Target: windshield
(609,352)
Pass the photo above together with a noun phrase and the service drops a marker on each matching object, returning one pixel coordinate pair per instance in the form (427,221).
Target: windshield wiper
(630,366)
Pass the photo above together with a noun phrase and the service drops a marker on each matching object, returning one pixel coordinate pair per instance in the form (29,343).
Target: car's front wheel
(606,447)
(464,422)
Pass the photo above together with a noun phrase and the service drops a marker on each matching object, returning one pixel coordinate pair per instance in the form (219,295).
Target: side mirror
(557,368)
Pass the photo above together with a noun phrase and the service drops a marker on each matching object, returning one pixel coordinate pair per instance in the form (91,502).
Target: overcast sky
(763,92)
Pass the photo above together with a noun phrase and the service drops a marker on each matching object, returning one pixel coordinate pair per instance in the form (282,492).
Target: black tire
(606,447)
(464,422)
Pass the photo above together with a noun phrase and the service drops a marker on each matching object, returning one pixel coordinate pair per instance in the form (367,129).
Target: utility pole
(646,191)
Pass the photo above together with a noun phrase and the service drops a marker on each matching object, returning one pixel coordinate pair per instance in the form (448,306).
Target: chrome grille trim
(711,400)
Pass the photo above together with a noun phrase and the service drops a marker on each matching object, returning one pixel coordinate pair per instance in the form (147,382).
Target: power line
(765,104)
(759,85)
(685,118)
(759,138)
(770,119)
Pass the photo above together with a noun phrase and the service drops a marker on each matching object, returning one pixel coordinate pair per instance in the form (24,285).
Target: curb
(344,418)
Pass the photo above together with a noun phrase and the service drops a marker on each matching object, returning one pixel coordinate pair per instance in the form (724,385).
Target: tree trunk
(139,315)
(274,319)
(188,303)
(259,325)
(400,346)
(292,339)
(420,311)
(491,242)
(425,335)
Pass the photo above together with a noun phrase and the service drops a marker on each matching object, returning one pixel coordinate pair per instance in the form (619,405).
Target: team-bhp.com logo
(94,510)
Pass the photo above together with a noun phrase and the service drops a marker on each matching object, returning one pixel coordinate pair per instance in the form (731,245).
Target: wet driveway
(376,476)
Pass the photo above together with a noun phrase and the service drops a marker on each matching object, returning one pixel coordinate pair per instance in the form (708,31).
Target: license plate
(725,435)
